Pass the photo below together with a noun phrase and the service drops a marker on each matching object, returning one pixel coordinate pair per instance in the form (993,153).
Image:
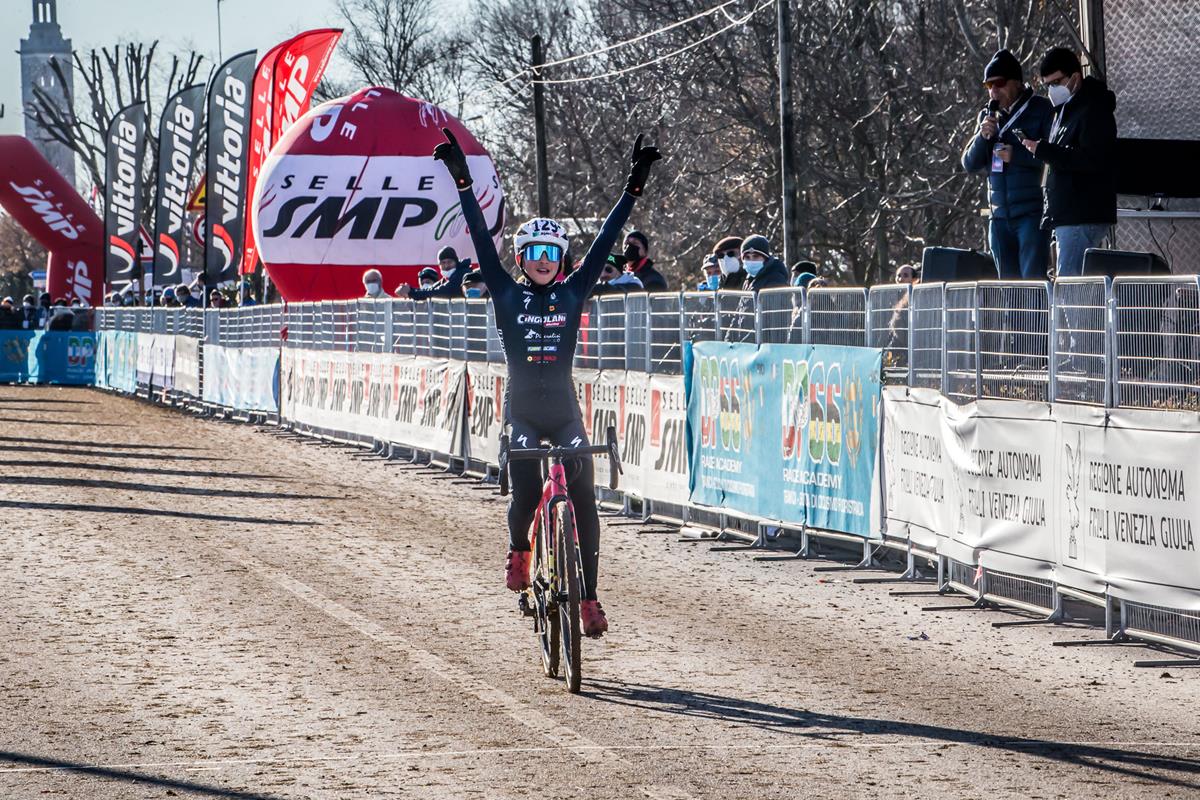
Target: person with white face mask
(1080,153)
(763,271)
(452,270)
(373,284)
(728,254)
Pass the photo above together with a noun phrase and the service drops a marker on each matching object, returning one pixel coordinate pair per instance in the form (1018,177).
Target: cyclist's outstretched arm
(451,154)
(597,254)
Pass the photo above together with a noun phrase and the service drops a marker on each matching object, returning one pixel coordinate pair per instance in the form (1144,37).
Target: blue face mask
(753,267)
(713,282)
(474,293)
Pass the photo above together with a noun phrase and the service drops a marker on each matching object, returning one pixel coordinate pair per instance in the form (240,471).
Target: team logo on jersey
(526,300)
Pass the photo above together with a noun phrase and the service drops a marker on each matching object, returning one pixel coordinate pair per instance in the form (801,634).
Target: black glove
(449,153)
(642,158)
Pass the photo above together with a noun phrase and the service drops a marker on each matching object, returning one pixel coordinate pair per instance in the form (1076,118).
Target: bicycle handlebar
(610,449)
(541,453)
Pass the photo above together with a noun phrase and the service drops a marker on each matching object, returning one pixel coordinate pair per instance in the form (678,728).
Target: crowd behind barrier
(1032,439)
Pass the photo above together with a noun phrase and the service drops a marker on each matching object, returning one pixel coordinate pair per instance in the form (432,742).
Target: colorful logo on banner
(786,432)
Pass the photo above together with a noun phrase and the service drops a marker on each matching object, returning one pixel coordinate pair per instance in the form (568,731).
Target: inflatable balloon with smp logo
(352,186)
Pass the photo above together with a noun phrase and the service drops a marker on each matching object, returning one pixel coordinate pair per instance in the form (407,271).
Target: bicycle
(556,570)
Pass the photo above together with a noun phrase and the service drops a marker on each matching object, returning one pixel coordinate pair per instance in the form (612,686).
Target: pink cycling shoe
(516,570)
(592,618)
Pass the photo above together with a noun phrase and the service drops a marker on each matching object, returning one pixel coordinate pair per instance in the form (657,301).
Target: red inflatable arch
(42,201)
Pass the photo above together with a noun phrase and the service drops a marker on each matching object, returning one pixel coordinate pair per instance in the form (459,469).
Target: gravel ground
(197,608)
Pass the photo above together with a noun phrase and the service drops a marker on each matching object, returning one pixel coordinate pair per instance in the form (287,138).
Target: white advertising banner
(241,377)
(916,478)
(412,401)
(1128,486)
(187,365)
(485,410)
(665,456)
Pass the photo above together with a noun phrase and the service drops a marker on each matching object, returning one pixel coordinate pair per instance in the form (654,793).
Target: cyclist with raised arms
(538,318)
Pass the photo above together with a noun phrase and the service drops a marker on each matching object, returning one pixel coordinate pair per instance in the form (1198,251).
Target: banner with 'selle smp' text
(414,401)
(485,411)
(787,433)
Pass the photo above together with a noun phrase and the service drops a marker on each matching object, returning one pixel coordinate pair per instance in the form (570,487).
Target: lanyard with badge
(997,162)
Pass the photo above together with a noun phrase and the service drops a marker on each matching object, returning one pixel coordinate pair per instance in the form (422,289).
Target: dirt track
(207,610)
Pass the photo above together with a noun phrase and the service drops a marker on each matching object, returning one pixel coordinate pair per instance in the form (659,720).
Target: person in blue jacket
(1019,246)
(538,317)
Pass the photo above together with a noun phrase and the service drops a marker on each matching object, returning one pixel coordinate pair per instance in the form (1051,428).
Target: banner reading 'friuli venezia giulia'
(786,432)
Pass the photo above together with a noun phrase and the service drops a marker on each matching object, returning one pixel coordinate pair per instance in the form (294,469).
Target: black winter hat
(447,252)
(430,273)
(641,237)
(758,243)
(1003,65)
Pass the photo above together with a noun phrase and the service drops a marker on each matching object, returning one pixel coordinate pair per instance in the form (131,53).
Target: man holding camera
(1019,245)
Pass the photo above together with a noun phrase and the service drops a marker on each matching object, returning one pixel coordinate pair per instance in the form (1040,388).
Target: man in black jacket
(763,271)
(1081,190)
(638,263)
(1019,245)
(450,286)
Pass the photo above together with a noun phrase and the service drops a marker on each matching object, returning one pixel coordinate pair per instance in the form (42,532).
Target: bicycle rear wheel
(545,606)
(570,588)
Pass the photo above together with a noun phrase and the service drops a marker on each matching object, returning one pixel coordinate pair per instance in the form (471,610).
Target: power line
(624,70)
(640,37)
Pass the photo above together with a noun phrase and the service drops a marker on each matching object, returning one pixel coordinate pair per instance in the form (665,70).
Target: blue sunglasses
(536,252)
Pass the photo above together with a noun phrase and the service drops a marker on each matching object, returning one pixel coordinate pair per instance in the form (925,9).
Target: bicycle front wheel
(569,589)
(544,603)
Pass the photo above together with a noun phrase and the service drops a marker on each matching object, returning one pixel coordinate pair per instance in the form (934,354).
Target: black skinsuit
(539,326)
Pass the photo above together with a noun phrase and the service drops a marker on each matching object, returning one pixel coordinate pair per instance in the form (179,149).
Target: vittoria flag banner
(179,137)
(125,151)
(229,98)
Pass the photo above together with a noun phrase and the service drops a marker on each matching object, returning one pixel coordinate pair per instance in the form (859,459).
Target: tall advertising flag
(283,87)
(229,100)
(179,137)
(125,152)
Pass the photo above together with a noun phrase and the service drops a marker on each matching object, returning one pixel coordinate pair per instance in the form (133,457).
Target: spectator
(763,271)
(615,280)
(168,298)
(44,309)
(183,295)
(60,318)
(30,316)
(1081,190)
(803,272)
(908,273)
(710,274)
(473,286)
(128,297)
(452,270)
(112,299)
(428,277)
(638,263)
(728,252)
(1019,245)
(215,299)
(10,316)
(373,284)
(818,282)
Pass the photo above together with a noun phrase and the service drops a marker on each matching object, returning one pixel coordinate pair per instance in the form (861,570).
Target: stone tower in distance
(44,43)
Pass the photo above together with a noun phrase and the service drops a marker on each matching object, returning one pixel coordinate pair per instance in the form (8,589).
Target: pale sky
(180,25)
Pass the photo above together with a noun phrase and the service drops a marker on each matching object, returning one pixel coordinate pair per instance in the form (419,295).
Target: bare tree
(399,44)
(20,254)
(107,80)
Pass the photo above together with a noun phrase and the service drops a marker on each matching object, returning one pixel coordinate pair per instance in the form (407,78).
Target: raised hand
(450,154)
(641,159)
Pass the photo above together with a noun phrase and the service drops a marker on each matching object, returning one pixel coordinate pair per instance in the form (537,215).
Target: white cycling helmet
(540,231)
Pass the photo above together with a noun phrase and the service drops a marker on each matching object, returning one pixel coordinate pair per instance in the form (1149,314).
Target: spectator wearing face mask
(128,296)
(728,252)
(1080,152)
(452,270)
(30,316)
(373,284)
(473,287)
(763,271)
(10,317)
(185,298)
(638,263)
(428,277)
(45,305)
(615,280)
(710,274)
